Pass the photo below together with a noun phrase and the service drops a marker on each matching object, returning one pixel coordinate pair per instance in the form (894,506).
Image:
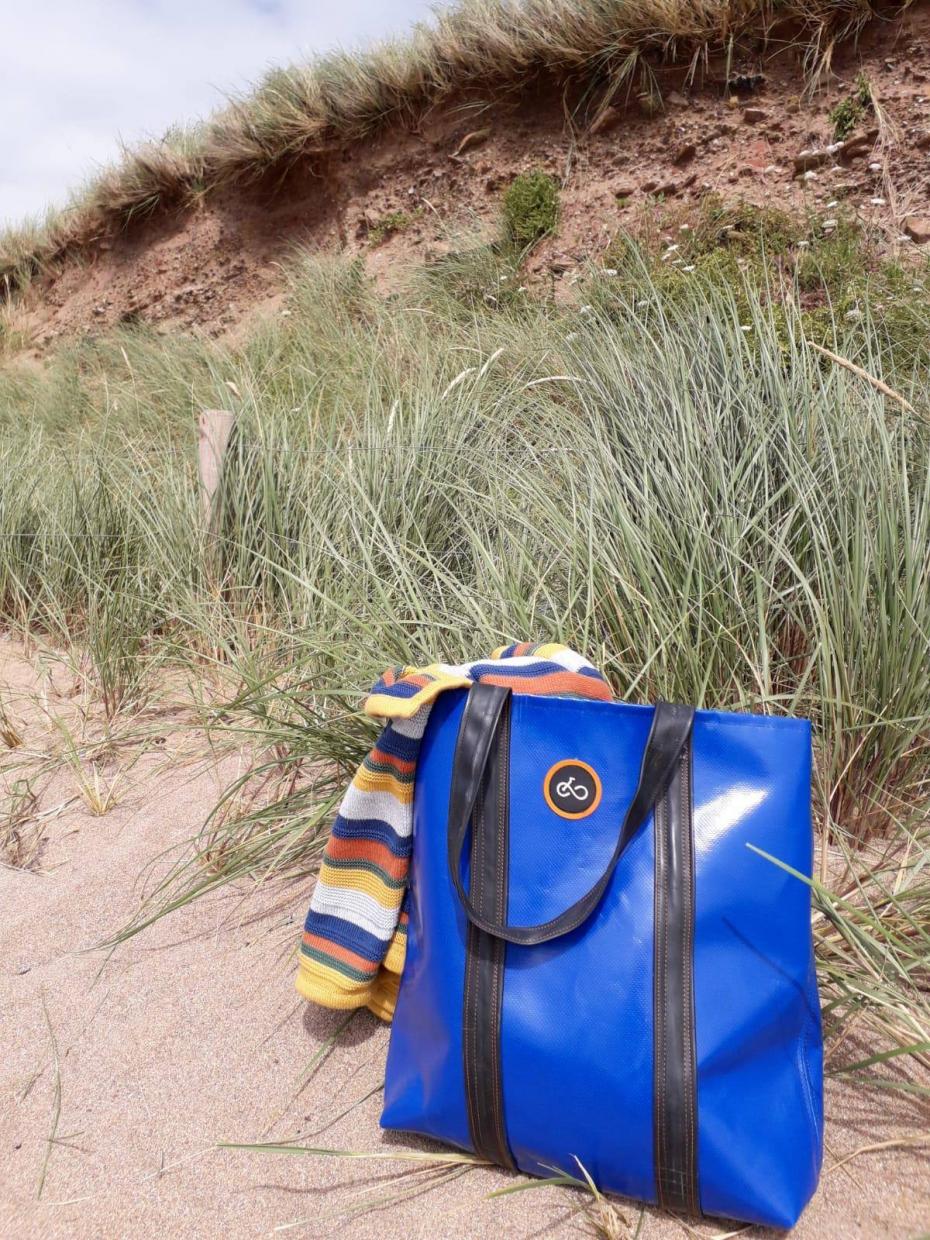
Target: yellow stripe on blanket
(383,996)
(388,706)
(364,881)
(323,985)
(396,954)
(383,781)
(320,984)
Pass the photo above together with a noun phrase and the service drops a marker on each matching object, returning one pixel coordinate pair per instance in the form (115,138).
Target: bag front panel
(577,1024)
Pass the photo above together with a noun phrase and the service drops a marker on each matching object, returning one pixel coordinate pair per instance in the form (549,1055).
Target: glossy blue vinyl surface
(577,1022)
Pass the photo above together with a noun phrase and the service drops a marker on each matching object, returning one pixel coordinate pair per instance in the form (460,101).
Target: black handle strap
(671,728)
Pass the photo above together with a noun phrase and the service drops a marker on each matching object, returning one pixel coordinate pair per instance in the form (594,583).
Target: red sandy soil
(139,1062)
(215,267)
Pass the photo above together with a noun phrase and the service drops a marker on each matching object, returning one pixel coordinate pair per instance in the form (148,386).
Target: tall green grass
(668,478)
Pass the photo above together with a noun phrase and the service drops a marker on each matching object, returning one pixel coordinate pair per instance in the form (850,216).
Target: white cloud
(79,76)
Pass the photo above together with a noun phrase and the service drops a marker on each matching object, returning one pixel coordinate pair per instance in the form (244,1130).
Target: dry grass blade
(912,1141)
(52,1138)
(20,827)
(333,1120)
(604,1217)
(417,1156)
(319,1057)
(431,1172)
(10,732)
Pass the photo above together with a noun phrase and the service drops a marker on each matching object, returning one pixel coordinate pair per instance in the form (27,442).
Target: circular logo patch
(572,788)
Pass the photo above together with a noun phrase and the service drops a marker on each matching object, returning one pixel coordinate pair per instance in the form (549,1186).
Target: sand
(192,1034)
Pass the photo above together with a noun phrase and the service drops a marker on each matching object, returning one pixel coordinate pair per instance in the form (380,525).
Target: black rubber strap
(485,957)
(674,1059)
(671,728)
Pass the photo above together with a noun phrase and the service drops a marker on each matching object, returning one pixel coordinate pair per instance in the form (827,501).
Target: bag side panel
(756,1009)
(424,1088)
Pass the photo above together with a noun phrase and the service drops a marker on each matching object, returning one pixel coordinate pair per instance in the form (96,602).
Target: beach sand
(139,1061)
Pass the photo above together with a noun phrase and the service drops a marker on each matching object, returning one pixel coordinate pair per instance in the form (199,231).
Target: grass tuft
(10,731)
(20,831)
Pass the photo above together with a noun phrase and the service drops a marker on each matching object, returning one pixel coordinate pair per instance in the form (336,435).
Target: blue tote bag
(602,966)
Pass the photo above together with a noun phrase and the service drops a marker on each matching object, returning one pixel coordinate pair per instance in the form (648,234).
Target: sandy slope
(212,268)
(192,1034)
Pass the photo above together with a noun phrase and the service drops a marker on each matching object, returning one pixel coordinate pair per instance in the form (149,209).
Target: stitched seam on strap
(662,871)
(468,1035)
(687,981)
(481,946)
(668,1170)
(503,777)
(469,1064)
(471,1031)
(659,993)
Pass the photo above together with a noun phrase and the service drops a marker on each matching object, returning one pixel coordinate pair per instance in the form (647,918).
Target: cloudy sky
(80,76)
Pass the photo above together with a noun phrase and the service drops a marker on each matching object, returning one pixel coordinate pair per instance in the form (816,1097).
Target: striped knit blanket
(355,936)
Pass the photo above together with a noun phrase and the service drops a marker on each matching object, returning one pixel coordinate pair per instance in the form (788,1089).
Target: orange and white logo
(572,788)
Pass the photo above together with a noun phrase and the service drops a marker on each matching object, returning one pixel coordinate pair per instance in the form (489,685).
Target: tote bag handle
(671,728)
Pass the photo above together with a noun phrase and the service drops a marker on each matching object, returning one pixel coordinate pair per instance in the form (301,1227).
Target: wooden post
(215,427)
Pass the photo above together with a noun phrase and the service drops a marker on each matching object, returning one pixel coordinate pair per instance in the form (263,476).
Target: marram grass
(670,479)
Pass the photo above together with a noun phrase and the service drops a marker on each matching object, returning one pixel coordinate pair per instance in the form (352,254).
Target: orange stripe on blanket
(329,948)
(339,849)
(402,765)
(553,683)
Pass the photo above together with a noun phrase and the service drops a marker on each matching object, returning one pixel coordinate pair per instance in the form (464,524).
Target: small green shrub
(846,293)
(833,260)
(887,304)
(483,277)
(729,245)
(531,207)
(393,222)
(742,228)
(849,111)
